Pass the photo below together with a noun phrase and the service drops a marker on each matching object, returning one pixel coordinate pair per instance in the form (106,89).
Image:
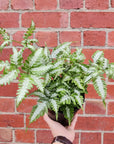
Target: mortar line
(106,41)
(13,135)
(9,5)
(82,38)
(58,5)
(34,8)
(102,136)
(59,10)
(110,4)
(84,7)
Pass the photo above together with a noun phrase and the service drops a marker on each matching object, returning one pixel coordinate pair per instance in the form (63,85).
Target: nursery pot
(61,118)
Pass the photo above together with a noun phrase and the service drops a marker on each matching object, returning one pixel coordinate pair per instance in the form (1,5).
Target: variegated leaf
(100,87)
(39,110)
(24,86)
(59,49)
(38,82)
(97,55)
(7,78)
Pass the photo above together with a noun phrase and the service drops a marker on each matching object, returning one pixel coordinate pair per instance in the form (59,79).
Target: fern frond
(97,55)
(105,63)
(55,106)
(62,90)
(47,78)
(30,31)
(24,86)
(110,71)
(78,98)
(100,87)
(39,110)
(41,70)
(68,113)
(66,99)
(9,77)
(38,82)
(33,58)
(39,94)
(60,48)
(6,38)
(4,64)
(16,58)
(78,82)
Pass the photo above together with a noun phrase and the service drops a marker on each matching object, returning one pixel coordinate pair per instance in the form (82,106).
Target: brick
(110,92)
(97,4)
(108,53)
(18,36)
(76,139)
(22,4)
(47,38)
(5,55)
(71,36)
(45,19)
(39,123)
(11,120)
(9,90)
(45,4)
(44,136)
(71,4)
(7,105)
(91,92)
(111,38)
(94,38)
(111,108)
(108,138)
(92,19)
(90,138)
(27,105)
(9,20)
(24,136)
(95,123)
(94,107)
(5,135)
(112,3)
(4,4)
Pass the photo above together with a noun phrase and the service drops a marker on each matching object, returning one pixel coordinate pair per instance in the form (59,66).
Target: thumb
(48,120)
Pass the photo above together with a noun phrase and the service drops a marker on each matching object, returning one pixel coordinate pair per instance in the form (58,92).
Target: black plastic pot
(61,118)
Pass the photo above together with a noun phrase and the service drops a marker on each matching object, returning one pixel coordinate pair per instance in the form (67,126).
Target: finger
(73,123)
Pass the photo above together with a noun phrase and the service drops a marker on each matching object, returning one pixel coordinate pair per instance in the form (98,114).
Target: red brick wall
(91,24)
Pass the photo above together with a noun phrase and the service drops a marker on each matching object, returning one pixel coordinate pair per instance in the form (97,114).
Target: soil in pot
(61,118)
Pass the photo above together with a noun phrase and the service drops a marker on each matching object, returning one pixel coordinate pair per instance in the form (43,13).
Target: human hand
(59,130)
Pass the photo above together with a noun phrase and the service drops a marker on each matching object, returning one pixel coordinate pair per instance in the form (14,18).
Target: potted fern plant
(61,77)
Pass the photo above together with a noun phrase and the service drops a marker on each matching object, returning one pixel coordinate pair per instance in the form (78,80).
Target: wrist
(61,140)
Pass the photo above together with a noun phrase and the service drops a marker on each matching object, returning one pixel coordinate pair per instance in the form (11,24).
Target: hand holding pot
(59,130)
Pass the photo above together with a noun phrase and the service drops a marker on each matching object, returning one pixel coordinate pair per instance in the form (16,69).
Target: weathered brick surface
(24,136)
(71,4)
(46,19)
(45,4)
(4,4)
(88,138)
(5,135)
(97,4)
(9,20)
(47,38)
(92,19)
(22,4)
(94,38)
(75,37)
